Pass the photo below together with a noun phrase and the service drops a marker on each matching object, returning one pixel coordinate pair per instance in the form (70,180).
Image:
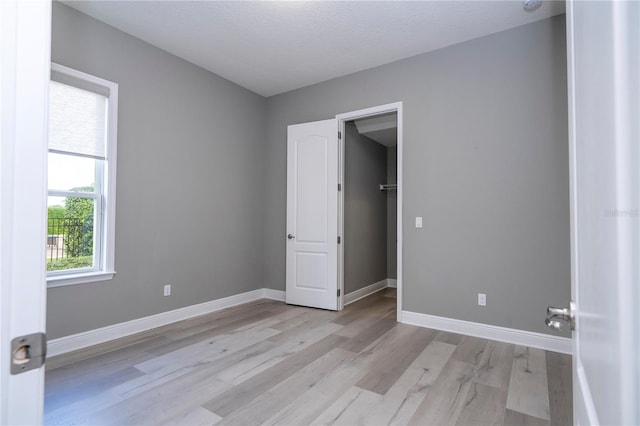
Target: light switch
(418,222)
(482,299)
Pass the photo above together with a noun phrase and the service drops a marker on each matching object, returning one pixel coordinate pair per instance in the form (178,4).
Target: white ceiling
(271,47)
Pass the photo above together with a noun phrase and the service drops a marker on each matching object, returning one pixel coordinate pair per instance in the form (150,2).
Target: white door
(603,51)
(24,80)
(312,214)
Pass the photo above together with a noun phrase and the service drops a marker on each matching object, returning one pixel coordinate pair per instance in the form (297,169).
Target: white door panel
(603,45)
(312,211)
(311,186)
(311,270)
(25,31)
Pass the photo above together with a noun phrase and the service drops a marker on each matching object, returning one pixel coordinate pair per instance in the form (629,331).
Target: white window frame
(104,245)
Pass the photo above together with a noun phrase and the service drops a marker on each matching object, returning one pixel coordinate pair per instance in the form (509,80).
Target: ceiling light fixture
(531,4)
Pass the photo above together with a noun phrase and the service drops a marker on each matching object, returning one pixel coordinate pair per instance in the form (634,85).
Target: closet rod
(388,187)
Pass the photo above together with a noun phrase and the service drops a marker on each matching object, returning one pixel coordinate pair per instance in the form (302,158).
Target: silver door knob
(566,314)
(291,236)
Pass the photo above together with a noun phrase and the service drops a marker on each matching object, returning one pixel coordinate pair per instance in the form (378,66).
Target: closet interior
(370,203)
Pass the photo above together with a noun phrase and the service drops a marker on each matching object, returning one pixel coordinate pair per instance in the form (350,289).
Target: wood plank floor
(269,363)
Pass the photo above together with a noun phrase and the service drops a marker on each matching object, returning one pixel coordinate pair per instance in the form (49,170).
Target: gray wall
(485,164)
(202,176)
(392,214)
(365,211)
(189,199)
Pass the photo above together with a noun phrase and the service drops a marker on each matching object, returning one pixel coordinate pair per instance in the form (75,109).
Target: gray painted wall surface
(392,215)
(189,199)
(365,211)
(485,164)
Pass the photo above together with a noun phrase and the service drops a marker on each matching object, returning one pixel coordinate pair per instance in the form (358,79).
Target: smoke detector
(531,4)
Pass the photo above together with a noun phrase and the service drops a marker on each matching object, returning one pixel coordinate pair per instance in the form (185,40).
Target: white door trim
(580,408)
(354,115)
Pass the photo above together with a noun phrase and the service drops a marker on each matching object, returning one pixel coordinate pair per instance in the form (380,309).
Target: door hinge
(28,352)
(339,240)
(338,292)
(339,135)
(339,187)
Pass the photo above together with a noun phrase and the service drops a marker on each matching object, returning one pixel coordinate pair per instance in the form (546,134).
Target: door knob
(566,314)
(291,236)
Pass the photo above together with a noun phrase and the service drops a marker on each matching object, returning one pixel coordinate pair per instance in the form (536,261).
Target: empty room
(318,212)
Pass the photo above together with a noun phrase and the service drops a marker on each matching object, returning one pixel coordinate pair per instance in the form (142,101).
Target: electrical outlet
(167,290)
(482,299)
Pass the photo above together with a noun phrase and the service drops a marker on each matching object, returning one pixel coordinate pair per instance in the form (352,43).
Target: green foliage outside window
(79,241)
(53,213)
(72,224)
(70,263)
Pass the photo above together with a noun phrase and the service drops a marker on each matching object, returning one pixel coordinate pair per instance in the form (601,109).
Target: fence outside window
(69,238)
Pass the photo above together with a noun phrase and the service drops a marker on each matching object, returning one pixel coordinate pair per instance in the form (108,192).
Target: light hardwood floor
(269,363)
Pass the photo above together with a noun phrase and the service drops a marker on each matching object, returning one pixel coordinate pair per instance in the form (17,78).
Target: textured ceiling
(271,47)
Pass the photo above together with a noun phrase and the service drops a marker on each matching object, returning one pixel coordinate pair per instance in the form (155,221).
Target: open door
(25,34)
(603,46)
(312,214)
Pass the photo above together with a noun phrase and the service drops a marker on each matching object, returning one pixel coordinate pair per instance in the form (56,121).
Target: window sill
(89,277)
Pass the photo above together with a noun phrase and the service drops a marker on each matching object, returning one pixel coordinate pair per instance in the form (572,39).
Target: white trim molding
(353,115)
(100,335)
(365,291)
(392,283)
(492,332)
(272,294)
(104,182)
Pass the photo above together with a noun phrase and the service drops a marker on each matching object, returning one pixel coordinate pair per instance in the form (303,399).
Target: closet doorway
(370,203)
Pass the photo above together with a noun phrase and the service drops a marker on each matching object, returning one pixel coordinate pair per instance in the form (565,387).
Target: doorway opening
(370,203)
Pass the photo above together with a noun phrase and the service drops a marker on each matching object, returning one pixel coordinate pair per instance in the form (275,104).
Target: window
(81,177)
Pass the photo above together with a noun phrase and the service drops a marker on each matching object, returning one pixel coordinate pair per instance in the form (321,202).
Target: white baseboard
(503,334)
(492,332)
(278,295)
(364,291)
(392,283)
(104,334)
